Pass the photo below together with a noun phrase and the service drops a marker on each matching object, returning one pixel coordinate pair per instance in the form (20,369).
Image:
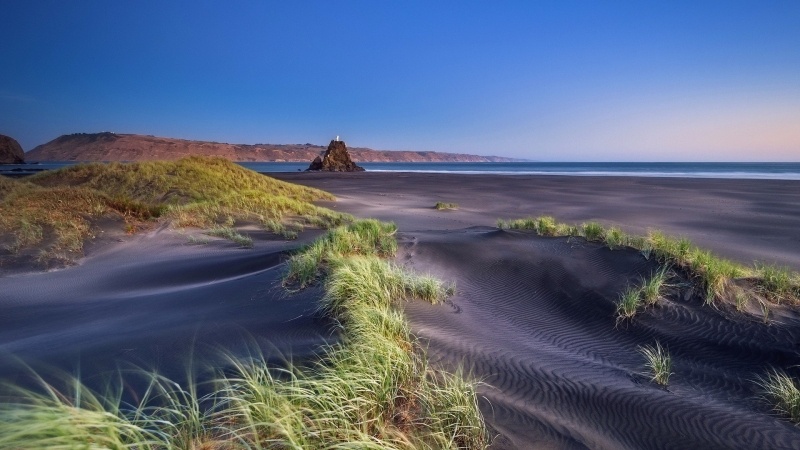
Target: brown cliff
(133,147)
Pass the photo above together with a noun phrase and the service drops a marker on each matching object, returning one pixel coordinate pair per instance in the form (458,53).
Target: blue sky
(550,81)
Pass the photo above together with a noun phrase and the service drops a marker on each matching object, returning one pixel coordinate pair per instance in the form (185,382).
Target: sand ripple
(535,321)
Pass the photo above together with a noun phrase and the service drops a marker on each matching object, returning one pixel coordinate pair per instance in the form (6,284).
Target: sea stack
(335,159)
(10,151)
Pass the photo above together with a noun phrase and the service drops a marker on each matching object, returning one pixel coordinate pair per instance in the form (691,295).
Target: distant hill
(133,147)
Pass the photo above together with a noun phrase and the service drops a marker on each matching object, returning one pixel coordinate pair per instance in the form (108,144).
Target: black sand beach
(532,317)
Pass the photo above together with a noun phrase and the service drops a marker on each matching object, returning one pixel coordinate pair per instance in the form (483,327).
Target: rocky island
(335,159)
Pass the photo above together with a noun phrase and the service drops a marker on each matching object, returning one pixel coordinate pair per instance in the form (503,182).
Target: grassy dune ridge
(374,390)
(720,280)
(54,212)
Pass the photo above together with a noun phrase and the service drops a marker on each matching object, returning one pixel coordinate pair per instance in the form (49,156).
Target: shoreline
(744,220)
(703,170)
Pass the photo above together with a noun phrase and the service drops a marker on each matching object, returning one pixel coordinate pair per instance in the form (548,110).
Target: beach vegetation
(628,303)
(615,238)
(288,230)
(658,362)
(55,212)
(197,240)
(719,279)
(546,226)
(783,392)
(373,389)
(648,293)
(361,238)
(778,282)
(442,206)
(652,288)
(593,231)
(226,232)
(543,225)
(740,300)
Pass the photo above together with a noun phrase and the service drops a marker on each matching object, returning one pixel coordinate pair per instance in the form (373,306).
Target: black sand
(532,317)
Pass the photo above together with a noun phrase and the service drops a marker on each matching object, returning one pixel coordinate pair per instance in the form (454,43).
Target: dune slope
(533,318)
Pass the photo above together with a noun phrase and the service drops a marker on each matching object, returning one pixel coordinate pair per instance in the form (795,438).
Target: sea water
(776,171)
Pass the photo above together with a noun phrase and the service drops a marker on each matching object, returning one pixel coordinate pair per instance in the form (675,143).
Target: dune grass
(231,235)
(365,238)
(647,294)
(658,362)
(442,206)
(783,393)
(628,304)
(778,283)
(543,225)
(652,289)
(373,390)
(716,276)
(55,210)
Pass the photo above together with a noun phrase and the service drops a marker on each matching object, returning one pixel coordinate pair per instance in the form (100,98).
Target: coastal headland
(533,317)
(107,146)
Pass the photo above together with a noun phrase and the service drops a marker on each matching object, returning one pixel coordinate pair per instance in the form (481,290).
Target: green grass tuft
(364,237)
(647,294)
(658,362)
(231,235)
(783,392)
(628,303)
(593,231)
(652,289)
(615,238)
(778,283)
(544,225)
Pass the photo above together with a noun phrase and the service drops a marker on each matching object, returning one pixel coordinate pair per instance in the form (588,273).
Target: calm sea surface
(777,171)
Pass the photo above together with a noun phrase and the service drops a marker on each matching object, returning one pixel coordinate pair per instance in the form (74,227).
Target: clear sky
(543,80)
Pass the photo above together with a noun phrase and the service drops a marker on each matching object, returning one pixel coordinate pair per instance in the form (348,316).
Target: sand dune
(533,317)
(156,301)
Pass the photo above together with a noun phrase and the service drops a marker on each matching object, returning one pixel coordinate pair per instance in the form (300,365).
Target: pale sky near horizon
(549,81)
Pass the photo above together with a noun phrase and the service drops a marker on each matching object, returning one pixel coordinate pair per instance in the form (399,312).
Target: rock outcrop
(10,151)
(335,159)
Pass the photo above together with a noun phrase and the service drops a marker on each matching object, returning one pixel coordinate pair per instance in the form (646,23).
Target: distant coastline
(109,146)
(743,171)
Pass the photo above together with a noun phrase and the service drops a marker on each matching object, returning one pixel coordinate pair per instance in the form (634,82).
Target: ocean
(775,171)
(778,171)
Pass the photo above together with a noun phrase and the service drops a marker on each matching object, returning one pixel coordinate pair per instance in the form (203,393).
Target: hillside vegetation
(48,216)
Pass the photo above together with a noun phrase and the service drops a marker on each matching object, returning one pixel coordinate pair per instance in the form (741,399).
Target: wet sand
(532,317)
